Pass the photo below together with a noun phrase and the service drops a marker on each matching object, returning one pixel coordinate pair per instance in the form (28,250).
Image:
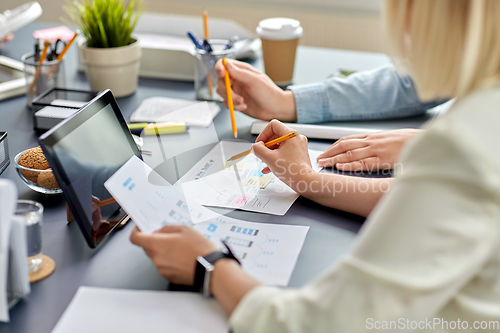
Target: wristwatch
(205,267)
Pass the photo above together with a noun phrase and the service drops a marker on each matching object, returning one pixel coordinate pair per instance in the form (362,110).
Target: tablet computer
(83,152)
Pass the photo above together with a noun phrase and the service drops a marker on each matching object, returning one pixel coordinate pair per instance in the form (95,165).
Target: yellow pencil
(106,202)
(41,60)
(206,36)
(267,144)
(63,52)
(230,99)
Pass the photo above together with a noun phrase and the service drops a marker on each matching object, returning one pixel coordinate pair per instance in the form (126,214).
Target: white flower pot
(116,68)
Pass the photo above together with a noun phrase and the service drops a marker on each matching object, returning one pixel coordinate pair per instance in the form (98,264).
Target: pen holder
(205,79)
(41,77)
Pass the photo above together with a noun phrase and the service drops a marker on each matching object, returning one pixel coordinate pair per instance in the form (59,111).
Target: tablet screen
(86,151)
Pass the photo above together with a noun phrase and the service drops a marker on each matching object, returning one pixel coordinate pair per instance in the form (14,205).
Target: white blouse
(427,258)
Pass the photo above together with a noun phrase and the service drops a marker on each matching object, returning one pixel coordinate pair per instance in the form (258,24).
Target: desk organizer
(57,104)
(4,152)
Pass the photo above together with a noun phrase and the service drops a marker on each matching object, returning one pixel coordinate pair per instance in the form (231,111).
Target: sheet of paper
(101,310)
(212,183)
(150,200)
(162,109)
(256,181)
(268,251)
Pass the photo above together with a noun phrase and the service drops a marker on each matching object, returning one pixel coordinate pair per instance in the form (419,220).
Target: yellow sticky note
(240,166)
(256,181)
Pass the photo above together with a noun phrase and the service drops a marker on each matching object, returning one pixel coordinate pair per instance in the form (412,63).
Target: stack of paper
(163,109)
(100,310)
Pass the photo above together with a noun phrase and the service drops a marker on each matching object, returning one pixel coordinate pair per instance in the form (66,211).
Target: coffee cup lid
(279,28)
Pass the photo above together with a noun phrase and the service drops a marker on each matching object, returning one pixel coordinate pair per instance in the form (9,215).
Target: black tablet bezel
(52,136)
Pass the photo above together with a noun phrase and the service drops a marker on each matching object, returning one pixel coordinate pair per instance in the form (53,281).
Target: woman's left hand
(173,250)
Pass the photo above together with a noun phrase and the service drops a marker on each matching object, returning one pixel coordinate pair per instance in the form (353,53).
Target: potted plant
(110,54)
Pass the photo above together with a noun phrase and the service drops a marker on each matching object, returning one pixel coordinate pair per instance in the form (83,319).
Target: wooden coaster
(47,267)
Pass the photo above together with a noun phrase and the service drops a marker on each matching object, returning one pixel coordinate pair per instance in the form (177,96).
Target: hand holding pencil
(289,160)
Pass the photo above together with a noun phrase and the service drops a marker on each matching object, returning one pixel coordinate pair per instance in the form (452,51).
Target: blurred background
(342,24)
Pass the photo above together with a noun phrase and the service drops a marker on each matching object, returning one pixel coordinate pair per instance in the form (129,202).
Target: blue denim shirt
(376,94)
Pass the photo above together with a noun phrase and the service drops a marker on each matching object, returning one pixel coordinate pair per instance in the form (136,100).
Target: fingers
(219,69)
(237,71)
(143,240)
(238,100)
(273,130)
(261,151)
(347,157)
(343,145)
(170,229)
(367,164)
(139,238)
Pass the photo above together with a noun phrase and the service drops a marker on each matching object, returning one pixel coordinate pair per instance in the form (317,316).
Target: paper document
(268,252)
(101,310)
(162,109)
(150,200)
(214,183)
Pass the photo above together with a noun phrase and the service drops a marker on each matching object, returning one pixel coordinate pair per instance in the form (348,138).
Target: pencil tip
(235,135)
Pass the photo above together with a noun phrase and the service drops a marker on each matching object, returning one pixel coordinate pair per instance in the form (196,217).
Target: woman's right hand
(254,93)
(289,160)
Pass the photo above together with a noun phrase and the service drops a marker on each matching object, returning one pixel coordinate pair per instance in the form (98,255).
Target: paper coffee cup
(280,37)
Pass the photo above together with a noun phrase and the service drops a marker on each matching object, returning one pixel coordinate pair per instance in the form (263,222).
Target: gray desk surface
(119,264)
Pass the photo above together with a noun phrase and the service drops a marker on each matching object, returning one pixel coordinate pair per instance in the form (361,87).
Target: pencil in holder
(205,78)
(41,77)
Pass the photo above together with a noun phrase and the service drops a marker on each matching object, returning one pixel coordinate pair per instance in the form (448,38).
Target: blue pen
(231,42)
(207,46)
(195,40)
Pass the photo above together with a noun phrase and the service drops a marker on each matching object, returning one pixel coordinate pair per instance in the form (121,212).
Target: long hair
(449,47)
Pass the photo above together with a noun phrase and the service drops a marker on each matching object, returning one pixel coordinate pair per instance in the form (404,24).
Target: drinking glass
(32,213)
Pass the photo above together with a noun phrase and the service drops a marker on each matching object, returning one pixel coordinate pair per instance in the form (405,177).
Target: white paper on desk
(162,109)
(268,252)
(101,310)
(212,185)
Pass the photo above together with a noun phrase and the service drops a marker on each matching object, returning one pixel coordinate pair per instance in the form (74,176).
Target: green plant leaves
(105,23)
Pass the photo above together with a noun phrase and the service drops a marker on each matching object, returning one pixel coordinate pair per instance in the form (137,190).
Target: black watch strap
(212,258)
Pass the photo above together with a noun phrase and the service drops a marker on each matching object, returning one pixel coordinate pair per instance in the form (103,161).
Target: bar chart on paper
(268,252)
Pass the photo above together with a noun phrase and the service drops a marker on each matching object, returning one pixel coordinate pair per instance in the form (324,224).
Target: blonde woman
(428,257)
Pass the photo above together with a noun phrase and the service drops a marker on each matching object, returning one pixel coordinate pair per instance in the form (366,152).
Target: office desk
(119,264)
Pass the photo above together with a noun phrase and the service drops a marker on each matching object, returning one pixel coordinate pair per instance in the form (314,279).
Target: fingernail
(322,161)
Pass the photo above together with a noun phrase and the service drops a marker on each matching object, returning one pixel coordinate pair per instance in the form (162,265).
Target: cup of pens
(205,78)
(41,76)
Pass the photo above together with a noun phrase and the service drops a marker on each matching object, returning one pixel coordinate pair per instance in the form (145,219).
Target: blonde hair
(449,47)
